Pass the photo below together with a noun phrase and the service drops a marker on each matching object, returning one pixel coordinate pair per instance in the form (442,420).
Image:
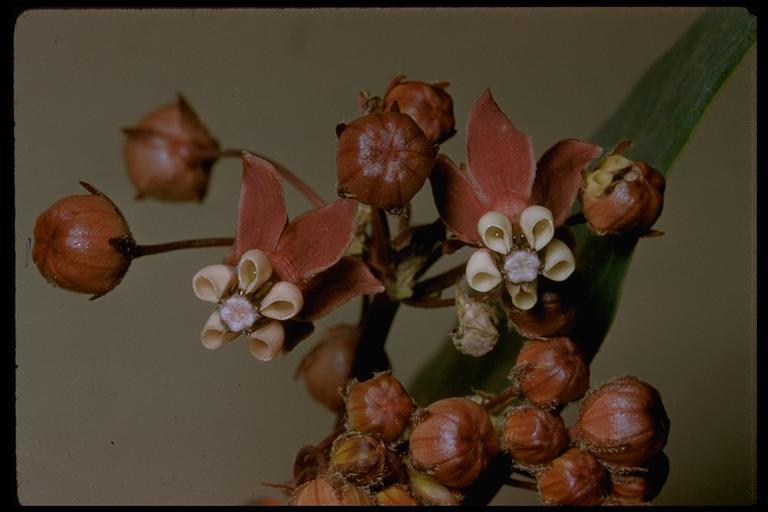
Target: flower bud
(534,436)
(455,442)
(551,372)
(431,492)
(622,422)
(169,154)
(428,104)
(360,458)
(574,478)
(383,160)
(327,367)
(82,243)
(379,406)
(395,496)
(622,196)
(325,491)
(553,312)
(476,335)
(641,486)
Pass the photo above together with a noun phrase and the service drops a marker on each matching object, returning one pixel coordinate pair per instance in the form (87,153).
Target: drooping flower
(280,276)
(508,205)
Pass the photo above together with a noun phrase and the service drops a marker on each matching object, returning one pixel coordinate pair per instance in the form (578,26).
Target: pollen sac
(428,104)
(383,160)
(77,240)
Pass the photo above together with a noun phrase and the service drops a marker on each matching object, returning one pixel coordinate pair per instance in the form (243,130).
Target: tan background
(118,402)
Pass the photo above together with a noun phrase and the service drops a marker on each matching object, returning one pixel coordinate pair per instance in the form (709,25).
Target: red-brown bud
(533,436)
(574,478)
(325,491)
(395,496)
(169,154)
(622,196)
(428,104)
(431,492)
(77,241)
(327,367)
(551,372)
(383,160)
(379,405)
(623,422)
(455,442)
(360,458)
(553,312)
(641,486)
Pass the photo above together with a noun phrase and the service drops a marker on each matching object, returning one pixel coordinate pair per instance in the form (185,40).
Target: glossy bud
(325,491)
(383,160)
(380,406)
(169,154)
(622,422)
(360,458)
(533,436)
(574,478)
(428,104)
(551,372)
(431,492)
(395,496)
(622,196)
(454,443)
(641,486)
(73,247)
(327,367)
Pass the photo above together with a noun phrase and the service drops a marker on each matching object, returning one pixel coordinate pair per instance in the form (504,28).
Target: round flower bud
(77,242)
(622,196)
(553,312)
(455,442)
(431,492)
(622,422)
(641,486)
(574,478)
(379,406)
(169,154)
(383,160)
(360,458)
(324,491)
(395,496)
(534,436)
(327,367)
(428,104)
(551,372)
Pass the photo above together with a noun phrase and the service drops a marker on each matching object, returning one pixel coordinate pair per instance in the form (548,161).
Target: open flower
(509,206)
(280,276)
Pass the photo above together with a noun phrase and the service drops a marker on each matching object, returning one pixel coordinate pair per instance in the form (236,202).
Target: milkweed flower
(280,276)
(508,205)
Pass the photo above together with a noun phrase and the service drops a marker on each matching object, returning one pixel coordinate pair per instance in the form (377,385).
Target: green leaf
(658,115)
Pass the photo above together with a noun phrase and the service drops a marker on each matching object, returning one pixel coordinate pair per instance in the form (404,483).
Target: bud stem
(503,397)
(145,250)
(439,282)
(430,302)
(531,486)
(289,176)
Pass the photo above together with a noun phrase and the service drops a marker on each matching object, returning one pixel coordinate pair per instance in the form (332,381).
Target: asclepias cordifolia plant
(523,275)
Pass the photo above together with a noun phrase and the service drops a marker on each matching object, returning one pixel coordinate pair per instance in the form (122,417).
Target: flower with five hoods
(280,276)
(508,205)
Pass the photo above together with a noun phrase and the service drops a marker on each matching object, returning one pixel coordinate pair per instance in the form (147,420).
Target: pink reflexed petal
(315,240)
(499,157)
(345,280)
(457,199)
(559,176)
(261,214)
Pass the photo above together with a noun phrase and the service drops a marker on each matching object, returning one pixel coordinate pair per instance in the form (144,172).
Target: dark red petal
(559,176)
(328,290)
(261,214)
(295,331)
(499,157)
(316,240)
(457,199)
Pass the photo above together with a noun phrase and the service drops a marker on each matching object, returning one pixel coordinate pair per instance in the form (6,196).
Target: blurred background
(118,403)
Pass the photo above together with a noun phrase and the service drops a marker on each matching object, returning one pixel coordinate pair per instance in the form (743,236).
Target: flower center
(521,266)
(238,313)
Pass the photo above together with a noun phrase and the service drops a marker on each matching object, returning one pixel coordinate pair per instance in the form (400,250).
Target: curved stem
(430,303)
(289,176)
(439,282)
(500,399)
(522,484)
(144,250)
